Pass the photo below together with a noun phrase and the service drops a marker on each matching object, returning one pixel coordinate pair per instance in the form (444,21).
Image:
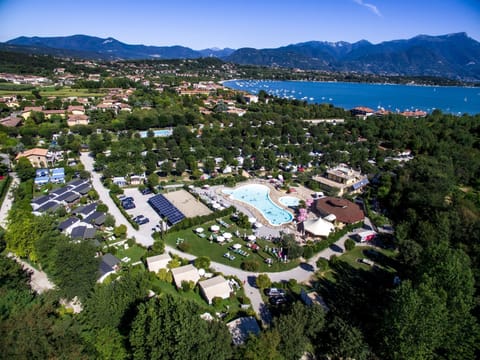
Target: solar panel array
(166,209)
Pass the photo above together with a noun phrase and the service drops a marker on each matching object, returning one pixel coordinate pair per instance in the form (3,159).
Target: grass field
(63,92)
(134,252)
(381,257)
(204,247)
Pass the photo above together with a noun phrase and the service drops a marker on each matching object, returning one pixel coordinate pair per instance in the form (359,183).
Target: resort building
(345,211)
(77,120)
(318,227)
(215,287)
(36,156)
(342,180)
(185,273)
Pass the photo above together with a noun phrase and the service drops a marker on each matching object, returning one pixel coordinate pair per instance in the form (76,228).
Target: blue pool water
(289,201)
(258,196)
(157,133)
(395,98)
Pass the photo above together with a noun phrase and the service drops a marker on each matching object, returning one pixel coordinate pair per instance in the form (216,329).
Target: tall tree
(170,328)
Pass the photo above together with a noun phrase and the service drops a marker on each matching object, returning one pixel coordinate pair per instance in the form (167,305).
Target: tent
(214,228)
(220,239)
(318,227)
(199,230)
(251,237)
(227,235)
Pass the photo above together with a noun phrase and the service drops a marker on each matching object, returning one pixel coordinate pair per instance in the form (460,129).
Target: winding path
(301,273)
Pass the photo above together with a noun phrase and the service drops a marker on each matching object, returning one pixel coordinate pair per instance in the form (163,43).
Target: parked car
(127,205)
(277,300)
(275,292)
(143,221)
(146,191)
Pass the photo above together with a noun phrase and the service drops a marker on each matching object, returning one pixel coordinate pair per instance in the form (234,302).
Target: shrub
(250,265)
(202,262)
(322,264)
(217,301)
(184,246)
(307,252)
(349,244)
(263,281)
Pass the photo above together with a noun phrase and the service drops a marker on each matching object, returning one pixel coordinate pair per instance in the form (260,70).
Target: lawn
(385,259)
(134,252)
(204,247)
(64,92)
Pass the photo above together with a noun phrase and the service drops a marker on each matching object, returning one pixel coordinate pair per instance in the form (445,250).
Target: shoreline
(395,95)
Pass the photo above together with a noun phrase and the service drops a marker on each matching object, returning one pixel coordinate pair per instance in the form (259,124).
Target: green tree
(263,281)
(415,322)
(263,347)
(298,329)
(24,169)
(163,328)
(342,341)
(349,244)
(202,262)
(75,268)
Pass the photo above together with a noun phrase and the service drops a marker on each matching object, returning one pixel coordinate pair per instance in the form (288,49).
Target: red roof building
(344,210)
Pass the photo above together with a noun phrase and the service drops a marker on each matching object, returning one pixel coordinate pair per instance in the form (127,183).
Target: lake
(396,98)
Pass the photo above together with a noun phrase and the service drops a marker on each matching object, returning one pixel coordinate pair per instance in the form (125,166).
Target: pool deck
(301,193)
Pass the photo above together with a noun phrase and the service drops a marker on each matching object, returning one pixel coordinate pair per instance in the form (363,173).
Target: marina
(390,97)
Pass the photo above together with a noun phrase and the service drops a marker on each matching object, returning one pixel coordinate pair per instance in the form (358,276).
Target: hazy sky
(246,23)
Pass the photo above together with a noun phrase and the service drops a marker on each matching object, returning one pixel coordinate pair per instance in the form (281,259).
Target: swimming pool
(258,196)
(157,133)
(290,201)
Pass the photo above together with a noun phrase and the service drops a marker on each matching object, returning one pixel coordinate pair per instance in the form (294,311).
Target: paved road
(103,193)
(7,202)
(301,273)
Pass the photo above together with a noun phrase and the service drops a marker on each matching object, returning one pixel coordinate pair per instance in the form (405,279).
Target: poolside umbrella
(215,205)
(227,235)
(220,239)
(237,246)
(251,237)
(252,220)
(214,228)
(258,225)
(199,230)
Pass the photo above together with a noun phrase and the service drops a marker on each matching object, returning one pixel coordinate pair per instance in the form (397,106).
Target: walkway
(7,202)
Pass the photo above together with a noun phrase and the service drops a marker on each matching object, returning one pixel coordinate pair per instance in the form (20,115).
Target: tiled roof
(344,210)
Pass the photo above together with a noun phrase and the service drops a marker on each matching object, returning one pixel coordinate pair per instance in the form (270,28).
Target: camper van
(365,236)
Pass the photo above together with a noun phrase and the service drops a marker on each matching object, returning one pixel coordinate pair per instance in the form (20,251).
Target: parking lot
(142,207)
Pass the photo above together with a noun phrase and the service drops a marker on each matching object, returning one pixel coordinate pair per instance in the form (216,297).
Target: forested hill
(454,56)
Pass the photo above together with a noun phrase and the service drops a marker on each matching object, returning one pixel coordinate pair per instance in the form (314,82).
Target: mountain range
(454,56)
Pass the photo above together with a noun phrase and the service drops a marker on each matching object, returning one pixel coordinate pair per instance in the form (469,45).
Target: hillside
(454,56)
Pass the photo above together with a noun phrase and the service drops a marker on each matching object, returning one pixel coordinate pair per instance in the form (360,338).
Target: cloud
(370,7)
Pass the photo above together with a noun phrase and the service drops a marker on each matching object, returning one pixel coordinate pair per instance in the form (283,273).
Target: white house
(215,287)
(155,263)
(185,273)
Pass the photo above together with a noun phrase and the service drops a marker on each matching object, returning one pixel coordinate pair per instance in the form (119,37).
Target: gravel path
(7,202)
